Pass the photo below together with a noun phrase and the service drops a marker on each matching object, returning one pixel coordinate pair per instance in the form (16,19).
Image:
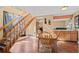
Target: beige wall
(41,18)
(58,23)
(53,23)
(31,30)
(1,23)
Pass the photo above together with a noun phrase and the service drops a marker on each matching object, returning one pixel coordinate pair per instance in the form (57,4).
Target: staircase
(11,35)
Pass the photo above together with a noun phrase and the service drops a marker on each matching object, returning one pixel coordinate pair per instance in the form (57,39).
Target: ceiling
(48,10)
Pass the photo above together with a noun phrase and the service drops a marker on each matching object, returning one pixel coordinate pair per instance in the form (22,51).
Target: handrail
(23,28)
(13,35)
(26,26)
(12,22)
(22,19)
(29,23)
(17,23)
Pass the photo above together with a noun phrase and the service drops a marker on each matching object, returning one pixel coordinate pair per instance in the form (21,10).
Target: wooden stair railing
(10,22)
(14,33)
(17,27)
(18,33)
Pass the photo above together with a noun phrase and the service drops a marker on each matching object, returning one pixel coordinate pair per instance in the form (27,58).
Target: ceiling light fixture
(64,8)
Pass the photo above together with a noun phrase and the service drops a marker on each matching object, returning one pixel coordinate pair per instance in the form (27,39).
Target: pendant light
(45,21)
(49,22)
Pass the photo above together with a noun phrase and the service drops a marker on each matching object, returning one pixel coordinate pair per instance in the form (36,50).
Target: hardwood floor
(31,46)
(67,47)
(25,45)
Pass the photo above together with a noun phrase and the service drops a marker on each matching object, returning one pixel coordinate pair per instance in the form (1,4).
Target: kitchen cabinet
(67,42)
(64,35)
(74,36)
(68,36)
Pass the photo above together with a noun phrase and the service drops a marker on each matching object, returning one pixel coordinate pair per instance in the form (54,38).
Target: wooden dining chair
(45,41)
(48,41)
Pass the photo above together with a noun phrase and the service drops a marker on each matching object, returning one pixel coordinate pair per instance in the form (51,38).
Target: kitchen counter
(64,30)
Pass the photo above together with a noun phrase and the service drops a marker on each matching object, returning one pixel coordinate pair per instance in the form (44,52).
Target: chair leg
(50,50)
(38,46)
